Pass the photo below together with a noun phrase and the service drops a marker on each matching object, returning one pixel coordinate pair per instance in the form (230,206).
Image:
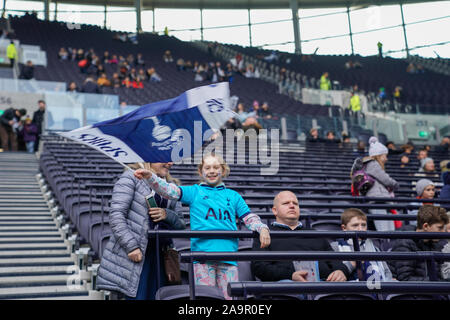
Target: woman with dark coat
(129,261)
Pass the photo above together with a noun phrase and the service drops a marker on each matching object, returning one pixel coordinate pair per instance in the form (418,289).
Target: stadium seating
(429,88)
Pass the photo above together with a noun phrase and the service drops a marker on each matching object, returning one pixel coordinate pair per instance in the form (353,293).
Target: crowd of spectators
(129,72)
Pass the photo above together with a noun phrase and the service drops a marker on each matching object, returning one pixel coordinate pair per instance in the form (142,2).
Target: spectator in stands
(445,190)
(63,54)
(167,57)
(38,120)
(113,60)
(392,149)
(137,83)
(153,75)
(355,220)
(423,153)
(11,53)
(103,81)
(444,146)
(264,111)
(129,262)
(384,185)
(80,54)
(408,148)
(106,58)
(9,127)
(89,86)
(382,93)
(127,83)
(132,74)
(314,136)
(139,61)
(404,161)
(429,219)
(29,133)
(72,87)
(27,71)
(425,189)
(325,83)
(123,70)
(255,108)
(360,149)
(180,64)
(73,54)
(115,81)
(331,138)
(287,212)
(427,169)
(207,202)
(411,68)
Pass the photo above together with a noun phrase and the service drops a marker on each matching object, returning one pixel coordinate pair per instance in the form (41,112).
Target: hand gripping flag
(163,131)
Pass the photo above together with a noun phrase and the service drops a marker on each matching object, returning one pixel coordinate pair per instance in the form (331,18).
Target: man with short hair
(38,120)
(9,127)
(429,219)
(287,212)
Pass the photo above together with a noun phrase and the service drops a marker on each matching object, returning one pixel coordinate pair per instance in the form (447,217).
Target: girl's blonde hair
(147,165)
(223,164)
(375,158)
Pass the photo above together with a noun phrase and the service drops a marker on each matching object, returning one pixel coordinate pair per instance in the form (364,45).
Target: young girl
(212,207)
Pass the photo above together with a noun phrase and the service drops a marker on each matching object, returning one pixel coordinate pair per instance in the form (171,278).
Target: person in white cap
(427,169)
(425,189)
(384,185)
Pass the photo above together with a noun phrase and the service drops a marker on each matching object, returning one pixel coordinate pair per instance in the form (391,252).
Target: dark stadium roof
(238,4)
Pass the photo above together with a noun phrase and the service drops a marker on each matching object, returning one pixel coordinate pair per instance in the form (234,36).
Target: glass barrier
(31,86)
(68,111)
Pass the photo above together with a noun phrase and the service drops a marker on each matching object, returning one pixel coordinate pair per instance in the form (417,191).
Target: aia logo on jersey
(223,216)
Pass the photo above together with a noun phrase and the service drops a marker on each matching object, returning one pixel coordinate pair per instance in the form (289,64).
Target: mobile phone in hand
(151,202)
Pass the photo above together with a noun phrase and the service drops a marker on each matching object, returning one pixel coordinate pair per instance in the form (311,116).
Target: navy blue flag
(163,131)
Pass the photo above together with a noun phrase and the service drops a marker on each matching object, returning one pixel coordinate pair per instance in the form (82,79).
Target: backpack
(361,181)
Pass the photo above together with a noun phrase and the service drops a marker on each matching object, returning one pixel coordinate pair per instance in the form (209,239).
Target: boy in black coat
(287,212)
(429,219)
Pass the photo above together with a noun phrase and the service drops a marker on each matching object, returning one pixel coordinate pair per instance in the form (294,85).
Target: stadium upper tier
(428,88)
(51,36)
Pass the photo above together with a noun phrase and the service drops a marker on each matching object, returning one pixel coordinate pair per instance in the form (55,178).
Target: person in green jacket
(325,83)
(11,53)
(355,105)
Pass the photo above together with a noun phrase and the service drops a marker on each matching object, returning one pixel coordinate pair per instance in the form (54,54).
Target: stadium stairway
(36,259)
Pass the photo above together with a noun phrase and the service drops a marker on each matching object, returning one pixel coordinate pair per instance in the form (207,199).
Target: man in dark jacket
(9,126)
(27,72)
(429,219)
(38,120)
(287,213)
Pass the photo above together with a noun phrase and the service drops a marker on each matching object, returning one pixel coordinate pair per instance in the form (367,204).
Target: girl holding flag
(212,207)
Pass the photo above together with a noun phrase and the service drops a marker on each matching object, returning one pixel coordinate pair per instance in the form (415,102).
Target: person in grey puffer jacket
(128,264)
(384,185)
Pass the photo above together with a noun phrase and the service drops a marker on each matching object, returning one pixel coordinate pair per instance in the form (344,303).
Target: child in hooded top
(425,189)
(212,207)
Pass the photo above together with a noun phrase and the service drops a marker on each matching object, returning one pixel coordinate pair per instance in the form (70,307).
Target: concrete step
(19,271)
(33,246)
(35,262)
(31,234)
(26,223)
(26,210)
(41,292)
(25,254)
(29,228)
(42,240)
(24,201)
(9,218)
(30,281)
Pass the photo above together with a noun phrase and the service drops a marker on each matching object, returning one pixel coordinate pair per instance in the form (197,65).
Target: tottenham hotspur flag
(163,131)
